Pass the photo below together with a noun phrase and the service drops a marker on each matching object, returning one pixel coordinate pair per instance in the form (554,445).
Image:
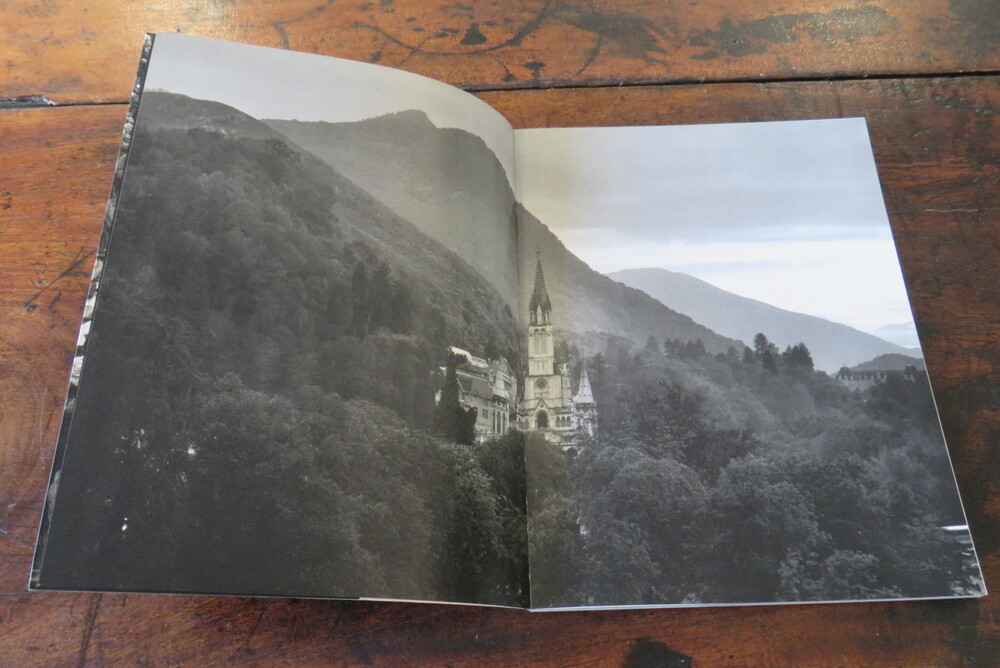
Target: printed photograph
(300,375)
(355,337)
(725,399)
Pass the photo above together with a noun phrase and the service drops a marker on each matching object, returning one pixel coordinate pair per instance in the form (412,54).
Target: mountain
(900,333)
(227,190)
(446,181)
(163,110)
(890,362)
(449,182)
(832,345)
(585,301)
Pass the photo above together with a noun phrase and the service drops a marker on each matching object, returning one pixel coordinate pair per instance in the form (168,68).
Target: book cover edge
(90,300)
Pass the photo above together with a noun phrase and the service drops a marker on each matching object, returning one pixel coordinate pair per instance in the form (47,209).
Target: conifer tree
(451,420)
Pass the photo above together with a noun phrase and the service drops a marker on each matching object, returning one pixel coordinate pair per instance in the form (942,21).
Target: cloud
(705,181)
(787,213)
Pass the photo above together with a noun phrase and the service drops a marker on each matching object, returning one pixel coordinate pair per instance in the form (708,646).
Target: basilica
(548,404)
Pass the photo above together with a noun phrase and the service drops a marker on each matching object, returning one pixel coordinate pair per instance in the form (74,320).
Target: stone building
(488,386)
(863,380)
(548,404)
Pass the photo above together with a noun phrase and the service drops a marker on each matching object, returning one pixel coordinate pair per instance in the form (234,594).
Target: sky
(275,83)
(789,213)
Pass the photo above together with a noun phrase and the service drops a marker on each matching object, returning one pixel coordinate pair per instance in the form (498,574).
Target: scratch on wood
(378,628)
(515,40)
(14,537)
(280,26)
(82,255)
(88,629)
(283,34)
(26,102)
(253,629)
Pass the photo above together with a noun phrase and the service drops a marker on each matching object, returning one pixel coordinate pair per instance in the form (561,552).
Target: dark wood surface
(923,73)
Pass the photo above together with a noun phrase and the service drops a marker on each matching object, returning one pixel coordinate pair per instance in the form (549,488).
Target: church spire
(539,308)
(584,395)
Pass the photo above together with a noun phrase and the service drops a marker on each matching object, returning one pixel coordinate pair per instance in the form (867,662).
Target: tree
(693,350)
(754,517)
(767,361)
(562,352)
(760,343)
(380,296)
(503,462)
(402,309)
(360,302)
(452,420)
(672,347)
(798,357)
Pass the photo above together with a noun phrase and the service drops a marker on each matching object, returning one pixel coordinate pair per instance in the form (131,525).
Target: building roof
(584,395)
(486,379)
(539,296)
(475,385)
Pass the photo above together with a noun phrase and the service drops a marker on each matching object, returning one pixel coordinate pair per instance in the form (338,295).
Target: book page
(299,376)
(725,399)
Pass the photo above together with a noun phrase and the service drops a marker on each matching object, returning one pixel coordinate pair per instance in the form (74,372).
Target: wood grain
(938,150)
(78,51)
(54,183)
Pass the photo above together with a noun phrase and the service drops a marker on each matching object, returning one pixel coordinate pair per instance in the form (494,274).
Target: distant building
(488,386)
(863,380)
(548,405)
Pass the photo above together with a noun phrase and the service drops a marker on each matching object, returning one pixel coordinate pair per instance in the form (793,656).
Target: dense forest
(741,478)
(256,410)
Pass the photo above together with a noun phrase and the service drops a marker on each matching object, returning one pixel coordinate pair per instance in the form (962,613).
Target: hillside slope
(399,158)
(445,181)
(256,410)
(832,344)
(584,300)
(245,180)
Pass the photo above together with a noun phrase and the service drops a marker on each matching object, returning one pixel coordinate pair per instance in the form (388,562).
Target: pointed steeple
(584,395)
(539,308)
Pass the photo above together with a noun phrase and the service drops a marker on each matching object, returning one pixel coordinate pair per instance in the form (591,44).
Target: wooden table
(925,74)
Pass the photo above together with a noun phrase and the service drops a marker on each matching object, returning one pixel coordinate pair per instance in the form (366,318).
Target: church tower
(541,347)
(584,406)
(547,404)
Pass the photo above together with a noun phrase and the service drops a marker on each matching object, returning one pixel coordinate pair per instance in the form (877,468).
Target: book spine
(88,310)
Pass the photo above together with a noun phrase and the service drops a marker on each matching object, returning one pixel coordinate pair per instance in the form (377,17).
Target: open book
(351,336)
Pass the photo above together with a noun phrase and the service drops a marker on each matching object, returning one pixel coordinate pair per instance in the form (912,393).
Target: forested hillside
(256,409)
(733,479)
(833,344)
(446,181)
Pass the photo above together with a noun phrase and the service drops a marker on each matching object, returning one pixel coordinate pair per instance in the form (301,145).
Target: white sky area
(274,83)
(789,213)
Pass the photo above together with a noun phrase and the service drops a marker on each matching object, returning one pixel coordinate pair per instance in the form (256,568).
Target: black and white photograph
(299,377)
(744,414)
(350,335)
